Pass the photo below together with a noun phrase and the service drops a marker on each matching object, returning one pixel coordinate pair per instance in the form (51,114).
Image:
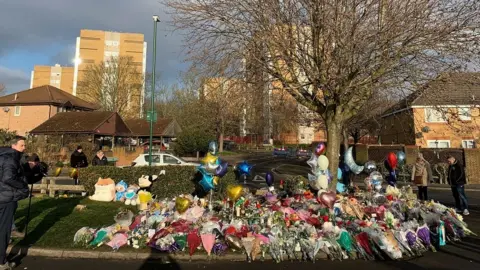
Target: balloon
(320,149)
(351,163)
(213,147)
(233,241)
(312,162)
(211,168)
(401,157)
(222,169)
(182,204)
(339,174)
(370,166)
(341,187)
(376,178)
(269,179)
(234,192)
(208,239)
(320,183)
(73,173)
(328,198)
(392,160)
(207,182)
(392,178)
(216,180)
(209,159)
(244,168)
(58,171)
(322,162)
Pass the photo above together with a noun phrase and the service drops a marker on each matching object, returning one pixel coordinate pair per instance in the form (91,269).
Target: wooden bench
(51,184)
(54,188)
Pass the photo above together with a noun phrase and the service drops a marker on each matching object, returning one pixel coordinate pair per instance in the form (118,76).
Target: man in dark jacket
(78,159)
(100,159)
(457,180)
(13,187)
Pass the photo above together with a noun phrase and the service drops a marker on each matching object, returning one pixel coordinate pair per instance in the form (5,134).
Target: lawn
(54,221)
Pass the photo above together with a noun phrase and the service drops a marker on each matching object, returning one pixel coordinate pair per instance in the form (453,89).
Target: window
(170,160)
(468,144)
(464,113)
(438,144)
(302,136)
(155,158)
(434,116)
(61,109)
(18,109)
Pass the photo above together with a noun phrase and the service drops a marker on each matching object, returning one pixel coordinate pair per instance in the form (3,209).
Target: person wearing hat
(78,159)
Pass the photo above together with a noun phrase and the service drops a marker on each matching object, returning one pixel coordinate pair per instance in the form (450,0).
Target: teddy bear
(131,195)
(104,190)
(121,189)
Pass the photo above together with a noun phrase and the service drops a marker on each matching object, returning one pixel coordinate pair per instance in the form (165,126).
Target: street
(462,255)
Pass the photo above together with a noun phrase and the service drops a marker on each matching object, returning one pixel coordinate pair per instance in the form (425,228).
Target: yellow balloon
(234,192)
(216,180)
(73,173)
(209,159)
(58,171)
(182,204)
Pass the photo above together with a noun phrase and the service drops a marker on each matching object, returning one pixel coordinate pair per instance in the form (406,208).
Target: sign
(152,116)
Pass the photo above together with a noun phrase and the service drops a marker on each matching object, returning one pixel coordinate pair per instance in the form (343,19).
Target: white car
(161,159)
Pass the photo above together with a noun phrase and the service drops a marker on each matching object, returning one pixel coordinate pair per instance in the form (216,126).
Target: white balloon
(322,162)
(322,182)
(351,163)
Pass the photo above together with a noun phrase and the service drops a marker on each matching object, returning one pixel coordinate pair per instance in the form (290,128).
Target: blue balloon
(244,168)
(222,169)
(392,178)
(213,147)
(207,182)
(201,169)
(339,174)
(341,187)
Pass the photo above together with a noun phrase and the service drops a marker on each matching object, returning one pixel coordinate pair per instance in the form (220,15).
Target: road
(463,255)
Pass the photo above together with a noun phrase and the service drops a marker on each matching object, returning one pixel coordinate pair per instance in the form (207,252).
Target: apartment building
(57,76)
(95,46)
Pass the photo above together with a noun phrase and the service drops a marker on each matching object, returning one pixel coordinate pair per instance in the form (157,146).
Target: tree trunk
(345,139)
(334,135)
(221,134)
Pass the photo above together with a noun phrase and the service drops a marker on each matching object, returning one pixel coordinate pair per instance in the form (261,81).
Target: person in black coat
(13,187)
(78,159)
(100,159)
(457,180)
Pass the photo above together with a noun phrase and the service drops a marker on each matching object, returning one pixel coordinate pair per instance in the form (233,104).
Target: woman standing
(100,159)
(421,175)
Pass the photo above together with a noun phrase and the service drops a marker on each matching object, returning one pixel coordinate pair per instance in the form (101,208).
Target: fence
(470,158)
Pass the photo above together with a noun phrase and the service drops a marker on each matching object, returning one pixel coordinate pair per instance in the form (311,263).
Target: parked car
(229,145)
(280,152)
(302,153)
(161,159)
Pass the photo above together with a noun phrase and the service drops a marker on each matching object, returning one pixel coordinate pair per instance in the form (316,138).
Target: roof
(46,95)
(163,127)
(96,122)
(451,89)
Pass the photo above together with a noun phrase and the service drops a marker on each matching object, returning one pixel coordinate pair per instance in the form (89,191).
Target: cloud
(14,79)
(33,26)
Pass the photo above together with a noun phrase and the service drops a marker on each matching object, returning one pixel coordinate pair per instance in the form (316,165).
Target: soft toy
(104,190)
(131,195)
(146,181)
(144,197)
(121,189)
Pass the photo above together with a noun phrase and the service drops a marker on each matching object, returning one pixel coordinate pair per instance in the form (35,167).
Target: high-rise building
(57,76)
(95,46)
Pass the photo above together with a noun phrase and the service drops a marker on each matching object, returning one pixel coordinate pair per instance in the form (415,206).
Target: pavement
(462,255)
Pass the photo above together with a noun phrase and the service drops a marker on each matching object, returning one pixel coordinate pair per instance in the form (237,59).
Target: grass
(54,221)
(228,153)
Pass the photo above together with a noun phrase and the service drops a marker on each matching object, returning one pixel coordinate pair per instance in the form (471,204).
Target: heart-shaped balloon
(182,204)
(328,198)
(320,149)
(58,171)
(234,192)
(73,173)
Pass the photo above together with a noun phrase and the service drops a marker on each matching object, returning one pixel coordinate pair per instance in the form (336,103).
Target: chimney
(57,65)
(16,96)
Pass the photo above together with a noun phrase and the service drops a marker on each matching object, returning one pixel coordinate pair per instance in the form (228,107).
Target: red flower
(389,197)
(325,218)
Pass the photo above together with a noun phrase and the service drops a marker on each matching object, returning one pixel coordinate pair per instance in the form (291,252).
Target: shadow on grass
(57,209)
(165,263)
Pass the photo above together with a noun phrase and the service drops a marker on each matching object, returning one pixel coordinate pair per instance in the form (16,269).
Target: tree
(116,85)
(332,56)
(2,89)
(5,136)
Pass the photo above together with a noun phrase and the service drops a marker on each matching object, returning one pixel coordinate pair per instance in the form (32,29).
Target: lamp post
(152,115)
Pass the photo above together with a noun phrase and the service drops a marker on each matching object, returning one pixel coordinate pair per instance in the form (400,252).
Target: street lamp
(152,113)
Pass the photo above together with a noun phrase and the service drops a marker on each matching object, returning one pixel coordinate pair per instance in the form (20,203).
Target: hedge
(177,179)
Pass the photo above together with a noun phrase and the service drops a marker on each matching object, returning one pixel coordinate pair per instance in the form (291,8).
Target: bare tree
(116,85)
(2,89)
(333,55)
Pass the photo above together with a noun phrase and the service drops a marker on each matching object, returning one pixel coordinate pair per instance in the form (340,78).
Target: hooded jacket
(13,183)
(78,160)
(456,175)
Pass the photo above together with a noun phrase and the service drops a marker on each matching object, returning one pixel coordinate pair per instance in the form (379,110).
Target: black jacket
(456,175)
(13,183)
(96,161)
(78,160)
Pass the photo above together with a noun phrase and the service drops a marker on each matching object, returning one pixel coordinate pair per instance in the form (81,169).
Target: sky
(34,32)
